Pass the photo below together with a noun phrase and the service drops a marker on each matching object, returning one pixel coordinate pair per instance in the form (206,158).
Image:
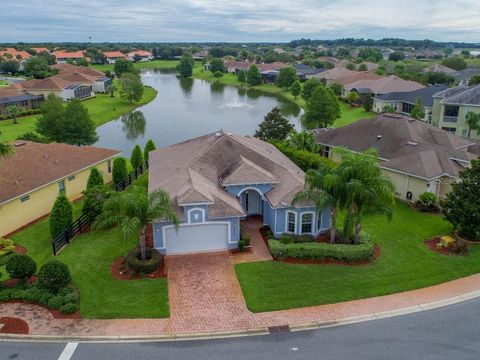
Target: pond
(186,108)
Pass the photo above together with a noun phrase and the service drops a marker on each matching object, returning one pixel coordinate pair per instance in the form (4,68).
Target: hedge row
(305,160)
(23,113)
(321,251)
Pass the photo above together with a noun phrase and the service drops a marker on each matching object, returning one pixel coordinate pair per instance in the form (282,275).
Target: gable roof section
(425,94)
(461,95)
(34,165)
(64,68)
(244,171)
(385,85)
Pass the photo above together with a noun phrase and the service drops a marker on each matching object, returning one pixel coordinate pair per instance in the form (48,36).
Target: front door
(251,201)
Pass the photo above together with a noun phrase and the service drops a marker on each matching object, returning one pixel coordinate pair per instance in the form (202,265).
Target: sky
(236,21)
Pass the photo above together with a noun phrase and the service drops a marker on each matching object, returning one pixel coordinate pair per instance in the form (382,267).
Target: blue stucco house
(216,181)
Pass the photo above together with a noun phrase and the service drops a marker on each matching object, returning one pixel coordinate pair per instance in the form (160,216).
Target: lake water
(186,108)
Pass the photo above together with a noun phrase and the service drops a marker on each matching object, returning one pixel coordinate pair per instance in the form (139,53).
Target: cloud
(247,20)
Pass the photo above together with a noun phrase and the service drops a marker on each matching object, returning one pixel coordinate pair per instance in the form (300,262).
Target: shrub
(31,136)
(69,308)
(321,251)
(427,202)
(241,245)
(94,179)
(6,246)
(136,158)
(119,170)
(149,146)
(286,239)
(71,298)
(268,232)
(61,216)
(55,302)
(54,275)
(302,238)
(460,247)
(137,266)
(93,201)
(305,160)
(20,266)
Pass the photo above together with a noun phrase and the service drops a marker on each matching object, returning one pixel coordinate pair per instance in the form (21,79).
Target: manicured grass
(350,115)
(3,83)
(154,64)
(405,263)
(102,108)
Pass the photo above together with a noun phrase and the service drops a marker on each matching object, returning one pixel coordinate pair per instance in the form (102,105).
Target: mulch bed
(13,325)
(432,245)
(161,272)
(20,249)
(376,254)
(13,282)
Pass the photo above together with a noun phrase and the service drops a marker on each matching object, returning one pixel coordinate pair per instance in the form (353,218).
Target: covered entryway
(195,238)
(251,201)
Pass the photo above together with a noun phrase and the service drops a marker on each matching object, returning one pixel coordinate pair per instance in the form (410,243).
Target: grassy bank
(154,64)
(102,108)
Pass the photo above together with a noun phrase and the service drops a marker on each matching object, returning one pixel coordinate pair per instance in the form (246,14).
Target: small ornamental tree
(217,65)
(54,275)
(242,76)
(336,88)
(119,169)
(286,77)
(461,206)
(93,201)
(418,111)
(296,88)
(253,76)
(20,266)
(136,159)
(95,178)
(309,87)
(322,109)
(368,103)
(274,126)
(131,87)
(61,216)
(352,97)
(218,75)
(149,146)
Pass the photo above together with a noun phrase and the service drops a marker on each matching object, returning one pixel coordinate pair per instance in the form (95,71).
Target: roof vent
(379,137)
(412,143)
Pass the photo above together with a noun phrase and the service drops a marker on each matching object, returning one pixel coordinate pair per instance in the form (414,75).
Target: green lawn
(3,83)
(405,264)
(154,64)
(350,115)
(89,258)
(102,108)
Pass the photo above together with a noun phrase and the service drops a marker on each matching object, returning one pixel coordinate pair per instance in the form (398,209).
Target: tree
(418,110)
(78,127)
(351,67)
(253,76)
(131,87)
(362,67)
(365,189)
(461,206)
(123,66)
(322,109)
(296,88)
(352,97)
(136,159)
(6,149)
(309,86)
(370,53)
(119,170)
(149,146)
(242,76)
(474,80)
(38,68)
(111,89)
(93,201)
(286,77)
(455,62)
(9,67)
(388,109)
(94,179)
(396,56)
(473,122)
(61,216)
(185,65)
(137,58)
(303,140)
(13,111)
(274,126)
(217,65)
(218,75)
(336,88)
(133,211)
(51,123)
(368,103)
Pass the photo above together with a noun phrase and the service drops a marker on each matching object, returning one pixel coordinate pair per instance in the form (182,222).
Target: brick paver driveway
(204,293)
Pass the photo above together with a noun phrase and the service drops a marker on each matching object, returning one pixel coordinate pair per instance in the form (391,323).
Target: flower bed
(322,251)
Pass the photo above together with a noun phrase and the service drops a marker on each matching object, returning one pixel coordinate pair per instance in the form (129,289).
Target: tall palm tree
(13,111)
(323,188)
(473,122)
(303,140)
(133,211)
(365,189)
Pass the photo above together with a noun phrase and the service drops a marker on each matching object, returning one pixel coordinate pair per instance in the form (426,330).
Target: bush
(61,216)
(305,160)
(119,170)
(71,298)
(268,232)
(321,251)
(93,201)
(20,266)
(137,266)
(54,275)
(31,136)
(136,158)
(95,178)
(286,239)
(460,247)
(69,308)
(149,146)
(6,246)
(302,238)
(55,302)
(427,202)
(241,245)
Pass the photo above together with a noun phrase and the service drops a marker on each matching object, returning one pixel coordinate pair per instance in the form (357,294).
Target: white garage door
(193,238)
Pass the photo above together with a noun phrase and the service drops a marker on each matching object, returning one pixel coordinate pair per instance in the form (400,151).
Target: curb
(249,332)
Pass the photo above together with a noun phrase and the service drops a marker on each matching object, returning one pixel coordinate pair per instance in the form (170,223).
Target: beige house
(32,178)
(415,155)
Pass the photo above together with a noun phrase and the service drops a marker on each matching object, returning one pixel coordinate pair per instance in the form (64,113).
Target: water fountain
(235,105)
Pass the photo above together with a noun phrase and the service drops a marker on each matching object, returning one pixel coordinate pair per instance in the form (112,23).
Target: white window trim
(196,209)
(301,222)
(319,217)
(286,221)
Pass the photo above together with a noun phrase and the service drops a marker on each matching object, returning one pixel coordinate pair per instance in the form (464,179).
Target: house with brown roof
(144,55)
(219,179)
(32,178)
(13,54)
(383,85)
(343,76)
(417,156)
(82,74)
(113,56)
(63,56)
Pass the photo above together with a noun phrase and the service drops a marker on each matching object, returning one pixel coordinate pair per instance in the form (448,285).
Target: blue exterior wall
(263,188)
(279,226)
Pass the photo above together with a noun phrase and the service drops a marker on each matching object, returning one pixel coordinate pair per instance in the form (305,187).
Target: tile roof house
(144,55)
(403,102)
(216,180)
(32,178)
(11,53)
(41,49)
(113,56)
(344,76)
(63,56)
(382,85)
(417,156)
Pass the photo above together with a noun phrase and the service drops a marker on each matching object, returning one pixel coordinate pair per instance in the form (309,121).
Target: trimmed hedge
(305,160)
(23,113)
(137,266)
(321,251)
(20,266)
(6,246)
(54,275)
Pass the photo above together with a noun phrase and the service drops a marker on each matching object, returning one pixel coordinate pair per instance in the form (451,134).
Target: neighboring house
(23,101)
(64,89)
(306,71)
(82,74)
(415,155)
(144,55)
(113,56)
(12,54)
(63,56)
(384,85)
(403,102)
(219,179)
(440,68)
(343,76)
(32,178)
(234,67)
(41,49)
(463,76)
(200,55)
(451,106)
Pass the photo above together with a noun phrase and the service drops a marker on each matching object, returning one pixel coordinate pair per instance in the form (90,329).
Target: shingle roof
(467,73)
(197,169)
(385,85)
(425,94)
(404,144)
(440,68)
(34,165)
(344,76)
(9,96)
(79,69)
(460,95)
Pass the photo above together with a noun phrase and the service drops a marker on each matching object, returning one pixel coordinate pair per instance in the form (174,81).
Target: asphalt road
(451,332)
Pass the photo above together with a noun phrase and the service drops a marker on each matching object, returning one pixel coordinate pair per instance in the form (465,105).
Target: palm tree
(365,188)
(473,122)
(303,140)
(323,188)
(111,89)
(133,211)
(5,149)
(13,111)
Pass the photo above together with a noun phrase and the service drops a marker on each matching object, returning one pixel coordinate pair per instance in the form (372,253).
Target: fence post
(54,248)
